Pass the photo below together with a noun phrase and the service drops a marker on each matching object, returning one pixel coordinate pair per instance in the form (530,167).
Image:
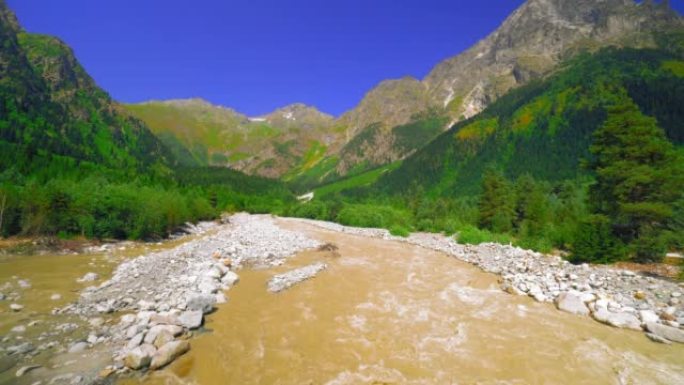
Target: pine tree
(531,210)
(639,177)
(497,204)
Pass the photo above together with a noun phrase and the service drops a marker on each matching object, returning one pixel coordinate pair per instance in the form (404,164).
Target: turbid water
(50,275)
(390,313)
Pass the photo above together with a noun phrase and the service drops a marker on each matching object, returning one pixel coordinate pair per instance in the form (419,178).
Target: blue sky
(257,55)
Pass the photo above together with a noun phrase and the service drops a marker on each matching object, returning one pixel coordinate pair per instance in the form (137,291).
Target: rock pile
(165,295)
(286,280)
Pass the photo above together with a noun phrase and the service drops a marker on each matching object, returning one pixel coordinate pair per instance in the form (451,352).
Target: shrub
(399,231)
(594,242)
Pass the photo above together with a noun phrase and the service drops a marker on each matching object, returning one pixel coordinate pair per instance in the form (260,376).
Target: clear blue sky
(257,55)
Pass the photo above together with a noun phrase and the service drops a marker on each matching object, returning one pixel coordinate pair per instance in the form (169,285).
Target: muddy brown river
(390,313)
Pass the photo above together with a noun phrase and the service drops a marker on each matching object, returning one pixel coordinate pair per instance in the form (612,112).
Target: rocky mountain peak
(299,115)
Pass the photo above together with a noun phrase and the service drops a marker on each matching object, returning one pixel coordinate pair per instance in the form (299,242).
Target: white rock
(619,320)
(25,369)
(667,332)
(18,329)
(127,319)
(648,316)
(571,302)
(78,347)
(191,319)
(88,277)
(230,279)
(154,331)
(56,297)
(139,357)
(16,307)
(202,302)
(135,341)
(169,352)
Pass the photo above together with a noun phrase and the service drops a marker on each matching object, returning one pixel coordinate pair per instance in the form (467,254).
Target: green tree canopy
(639,177)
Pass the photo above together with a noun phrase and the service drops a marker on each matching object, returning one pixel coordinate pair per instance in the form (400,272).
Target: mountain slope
(50,106)
(272,145)
(399,116)
(544,129)
(528,45)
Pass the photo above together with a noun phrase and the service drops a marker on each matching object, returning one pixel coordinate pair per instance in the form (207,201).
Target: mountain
(398,117)
(50,107)
(271,145)
(545,128)
(528,45)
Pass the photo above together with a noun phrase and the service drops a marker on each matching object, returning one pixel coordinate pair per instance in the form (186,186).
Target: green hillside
(74,163)
(545,129)
(522,171)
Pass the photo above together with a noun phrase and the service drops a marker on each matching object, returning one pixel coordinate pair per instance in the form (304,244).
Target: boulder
(648,316)
(201,302)
(139,357)
(571,302)
(164,319)
(16,307)
(667,332)
(55,297)
(135,341)
(78,347)
(191,319)
(154,331)
(127,319)
(658,339)
(163,338)
(169,352)
(619,319)
(230,279)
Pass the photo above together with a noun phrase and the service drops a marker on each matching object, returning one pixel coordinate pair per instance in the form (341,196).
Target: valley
(516,215)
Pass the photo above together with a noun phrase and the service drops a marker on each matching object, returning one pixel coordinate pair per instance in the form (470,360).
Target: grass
(365,179)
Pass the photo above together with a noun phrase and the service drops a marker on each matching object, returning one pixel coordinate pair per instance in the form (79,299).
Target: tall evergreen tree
(639,177)
(497,203)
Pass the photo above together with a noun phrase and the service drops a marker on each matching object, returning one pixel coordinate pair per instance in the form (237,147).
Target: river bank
(153,304)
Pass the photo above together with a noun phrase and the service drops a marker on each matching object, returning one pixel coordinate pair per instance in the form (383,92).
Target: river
(391,313)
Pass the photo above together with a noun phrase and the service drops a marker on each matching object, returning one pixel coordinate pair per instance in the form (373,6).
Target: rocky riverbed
(619,298)
(144,315)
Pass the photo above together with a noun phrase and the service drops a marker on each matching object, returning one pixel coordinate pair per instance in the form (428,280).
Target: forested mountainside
(545,129)
(400,116)
(529,44)
(51,108)
(589,160)
(73,161)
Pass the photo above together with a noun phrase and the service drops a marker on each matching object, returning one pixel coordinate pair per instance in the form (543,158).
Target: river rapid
(387,312)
